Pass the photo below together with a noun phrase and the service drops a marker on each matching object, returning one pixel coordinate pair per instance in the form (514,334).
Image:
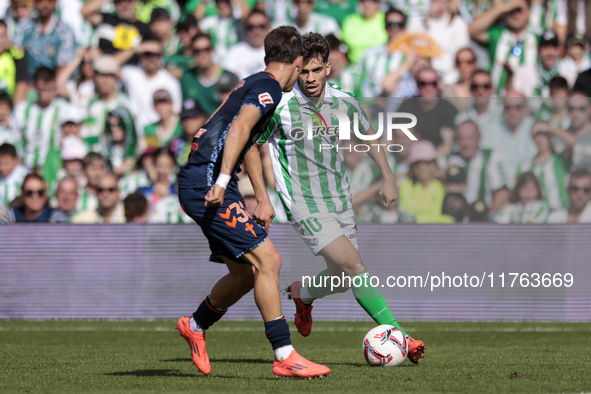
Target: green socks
(372,301)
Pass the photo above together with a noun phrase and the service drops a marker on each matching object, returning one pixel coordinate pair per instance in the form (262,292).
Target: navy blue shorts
(230,230)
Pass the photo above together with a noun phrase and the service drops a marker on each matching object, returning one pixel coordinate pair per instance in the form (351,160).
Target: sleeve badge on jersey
(265,98)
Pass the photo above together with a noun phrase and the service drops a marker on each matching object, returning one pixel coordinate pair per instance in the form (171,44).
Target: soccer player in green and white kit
(314,188)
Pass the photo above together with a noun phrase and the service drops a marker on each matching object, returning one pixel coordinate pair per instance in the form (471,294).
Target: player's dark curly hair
(283,45)
(315,46)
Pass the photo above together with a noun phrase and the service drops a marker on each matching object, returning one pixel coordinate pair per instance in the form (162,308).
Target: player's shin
(319,287)
(277,332)
(205,316)
(372,301)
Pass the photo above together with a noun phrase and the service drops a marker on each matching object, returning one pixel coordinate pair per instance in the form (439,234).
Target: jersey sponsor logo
(200,133)
(194,146)
(298,133)
(265,98)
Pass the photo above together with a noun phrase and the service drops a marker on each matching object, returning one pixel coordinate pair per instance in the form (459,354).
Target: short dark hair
(135,205)
(44,74)
(455,205)
(558,82)
(93,157)
(3,23)
(283,45)
(165,151)
(394,10)
(199,36)
(580,173)
(480,71)
(8,150)
(315,45)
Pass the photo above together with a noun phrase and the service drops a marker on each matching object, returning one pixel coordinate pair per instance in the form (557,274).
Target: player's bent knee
(353,268)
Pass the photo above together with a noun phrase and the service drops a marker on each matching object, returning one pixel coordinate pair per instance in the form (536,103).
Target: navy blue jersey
(205,160)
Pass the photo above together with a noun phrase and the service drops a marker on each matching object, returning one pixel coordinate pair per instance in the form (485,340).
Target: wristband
(223,180)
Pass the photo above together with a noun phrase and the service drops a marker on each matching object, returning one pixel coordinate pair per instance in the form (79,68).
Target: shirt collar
(302,99)
(53,21)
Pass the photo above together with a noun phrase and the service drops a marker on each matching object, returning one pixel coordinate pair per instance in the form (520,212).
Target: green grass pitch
(139,357)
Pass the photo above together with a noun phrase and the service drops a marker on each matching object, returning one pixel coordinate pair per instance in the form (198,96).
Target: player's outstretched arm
(264,212)
(236,140)
(389,190)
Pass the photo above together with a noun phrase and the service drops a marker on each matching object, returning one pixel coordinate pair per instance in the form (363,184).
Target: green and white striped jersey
(505,47)
(94,124)
(552,175)
(418,8)
(223,32)
(555,13)
(10,187)
(133,181)
(8,135)
(86,201)
(310,180)
(486,173)
(376,63)
(168,210)
(39,127)
(534,212)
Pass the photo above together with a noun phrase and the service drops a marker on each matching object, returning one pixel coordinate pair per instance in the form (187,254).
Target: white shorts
(320,229)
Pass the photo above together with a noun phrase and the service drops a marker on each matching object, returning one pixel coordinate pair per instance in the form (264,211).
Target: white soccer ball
(385,346)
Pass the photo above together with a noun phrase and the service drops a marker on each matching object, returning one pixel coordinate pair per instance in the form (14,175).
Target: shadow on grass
(222,360)
(153,372)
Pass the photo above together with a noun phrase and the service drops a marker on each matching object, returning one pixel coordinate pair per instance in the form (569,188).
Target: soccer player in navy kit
(208,193)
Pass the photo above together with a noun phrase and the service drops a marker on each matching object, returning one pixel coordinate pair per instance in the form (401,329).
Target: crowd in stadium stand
(100,100)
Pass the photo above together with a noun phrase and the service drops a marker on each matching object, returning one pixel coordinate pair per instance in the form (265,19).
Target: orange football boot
(303,315)
(416,350)
(295,366)
(196,342)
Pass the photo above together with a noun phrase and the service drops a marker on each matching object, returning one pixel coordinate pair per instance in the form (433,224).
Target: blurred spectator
(456,180)
(226,85)
(192,118)
(182,60)
(71,122)
(201,83)
(81,90)
(549,15)
(421,195)
(73,153)
(336,9)
(116,32)
(454,208)
(579,193)
(526,204)
(246,58)
(342,73)
(550,168)
(109,209)
(449,31)
(487,176)
(94,166)
(371,22)
(511,43)
(435,116)
(465,62)
(484,110)
(478,212)
(142,174)
(577,20)
(7,132)
(579,110)
(306,20)
(385,72)
(162,29)
(106,99)
(511,136)
(13,67)
(38,122)
(120,141)
(47,41)
(583,81)
(168,127)
(555,111)
(32,205)
(145,8)
(142,82)
(67,196)
(136,208)
(12,174)
(163,186)
(577,59)
(413,8)
(18,11)
(533,80)
(225,28)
